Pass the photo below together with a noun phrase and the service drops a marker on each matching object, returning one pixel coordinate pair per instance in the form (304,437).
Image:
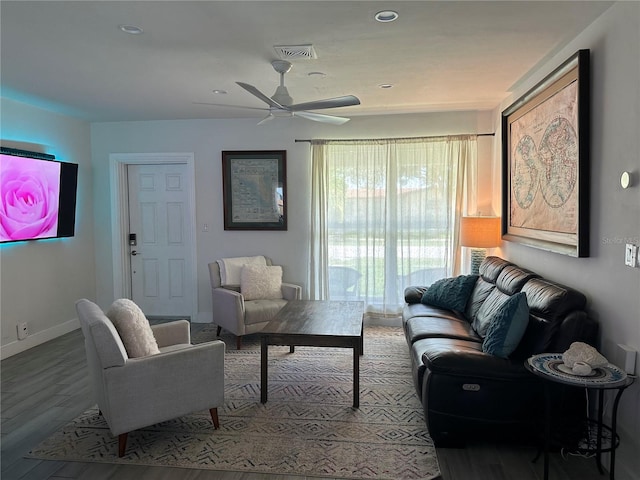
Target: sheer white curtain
(385,215)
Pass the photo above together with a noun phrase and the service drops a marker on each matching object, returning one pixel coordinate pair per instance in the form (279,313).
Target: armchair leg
(239,342)
(122,444)
(214,417)
(219,330)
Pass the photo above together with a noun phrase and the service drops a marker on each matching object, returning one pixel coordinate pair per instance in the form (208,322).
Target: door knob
(134,253)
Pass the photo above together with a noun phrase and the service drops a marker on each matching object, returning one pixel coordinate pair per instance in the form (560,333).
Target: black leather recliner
(468,393)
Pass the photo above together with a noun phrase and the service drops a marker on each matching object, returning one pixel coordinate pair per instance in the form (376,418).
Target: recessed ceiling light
(386,16)
(386,85)
(131,29)
(219,92)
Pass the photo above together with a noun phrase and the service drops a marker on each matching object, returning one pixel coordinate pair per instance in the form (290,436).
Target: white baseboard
(203,317)
(38,338)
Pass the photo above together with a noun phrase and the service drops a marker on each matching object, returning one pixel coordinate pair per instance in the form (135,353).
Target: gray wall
(207,138)
(612,288)
(40,281)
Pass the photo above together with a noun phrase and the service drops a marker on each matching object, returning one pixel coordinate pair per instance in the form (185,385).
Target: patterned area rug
(308,426)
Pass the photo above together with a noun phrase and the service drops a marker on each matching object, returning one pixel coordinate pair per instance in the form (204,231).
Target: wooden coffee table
(315,323)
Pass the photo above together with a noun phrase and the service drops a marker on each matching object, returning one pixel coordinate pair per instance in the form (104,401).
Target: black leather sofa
(467,393)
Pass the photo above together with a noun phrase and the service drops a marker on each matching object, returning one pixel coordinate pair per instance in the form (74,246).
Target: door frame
(118,163)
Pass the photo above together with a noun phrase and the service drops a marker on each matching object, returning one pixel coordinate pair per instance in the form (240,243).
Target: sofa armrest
(172,333)
(414,294)
(291,291)
(227,304)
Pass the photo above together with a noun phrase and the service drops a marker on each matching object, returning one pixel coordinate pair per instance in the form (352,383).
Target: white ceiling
(440,56)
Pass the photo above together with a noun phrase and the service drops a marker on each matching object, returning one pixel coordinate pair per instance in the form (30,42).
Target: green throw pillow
(451,293)
(507,326)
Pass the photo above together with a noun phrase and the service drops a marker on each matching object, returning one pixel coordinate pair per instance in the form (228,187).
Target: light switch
(630,255)
(205,227)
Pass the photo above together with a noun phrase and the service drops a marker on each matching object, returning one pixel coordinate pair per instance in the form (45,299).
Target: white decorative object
(580,352)
(582,369)
(261,282)
(133,328)
(230,268)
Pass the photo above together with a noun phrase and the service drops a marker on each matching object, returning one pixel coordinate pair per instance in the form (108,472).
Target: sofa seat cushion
(260,311)
(466,359)
(418,328)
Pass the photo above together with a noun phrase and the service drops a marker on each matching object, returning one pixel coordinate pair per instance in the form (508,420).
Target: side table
(550,368)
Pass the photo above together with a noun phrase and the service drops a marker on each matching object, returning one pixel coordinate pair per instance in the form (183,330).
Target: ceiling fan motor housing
(282,96)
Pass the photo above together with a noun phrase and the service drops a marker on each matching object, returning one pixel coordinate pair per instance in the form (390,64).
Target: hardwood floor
(46,387)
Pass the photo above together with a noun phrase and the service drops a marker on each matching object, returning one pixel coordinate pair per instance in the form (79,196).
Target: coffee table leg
(356,375)
(264,358)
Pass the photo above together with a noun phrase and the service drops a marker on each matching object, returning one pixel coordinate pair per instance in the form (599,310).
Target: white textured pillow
(133,327)
(230,268)
(261,282)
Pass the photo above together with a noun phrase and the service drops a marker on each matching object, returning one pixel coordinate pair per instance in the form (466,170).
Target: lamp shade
(480,232)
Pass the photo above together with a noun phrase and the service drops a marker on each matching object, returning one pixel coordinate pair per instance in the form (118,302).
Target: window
(385,216)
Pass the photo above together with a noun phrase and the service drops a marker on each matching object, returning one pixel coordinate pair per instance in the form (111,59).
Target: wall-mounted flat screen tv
(37,196)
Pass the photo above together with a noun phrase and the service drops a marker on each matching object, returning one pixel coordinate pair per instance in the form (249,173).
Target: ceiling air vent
(295,52)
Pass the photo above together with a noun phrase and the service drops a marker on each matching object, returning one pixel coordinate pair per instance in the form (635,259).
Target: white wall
(612,288)
(41,280)
(207,139)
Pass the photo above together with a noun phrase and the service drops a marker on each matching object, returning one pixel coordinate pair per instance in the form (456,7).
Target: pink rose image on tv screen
(29,190)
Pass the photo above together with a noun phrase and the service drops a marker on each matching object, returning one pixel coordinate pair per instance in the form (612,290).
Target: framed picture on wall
(254,188)
(545,162)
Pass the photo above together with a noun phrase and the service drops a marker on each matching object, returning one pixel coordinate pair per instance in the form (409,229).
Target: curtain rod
(399,138)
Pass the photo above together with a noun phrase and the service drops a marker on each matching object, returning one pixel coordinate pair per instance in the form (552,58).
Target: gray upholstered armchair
(239,315)
(132,393)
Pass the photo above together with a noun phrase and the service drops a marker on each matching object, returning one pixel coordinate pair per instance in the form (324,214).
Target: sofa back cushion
(557,318)
(551,300)
(509,282)
(489,272)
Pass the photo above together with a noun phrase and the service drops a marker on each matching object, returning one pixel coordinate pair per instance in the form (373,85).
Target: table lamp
(479,233)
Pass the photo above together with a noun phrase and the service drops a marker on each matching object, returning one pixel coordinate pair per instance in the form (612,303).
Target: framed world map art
(545,162)
(254,188)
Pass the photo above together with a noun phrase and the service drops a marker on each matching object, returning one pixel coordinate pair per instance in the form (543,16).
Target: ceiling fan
(281,104)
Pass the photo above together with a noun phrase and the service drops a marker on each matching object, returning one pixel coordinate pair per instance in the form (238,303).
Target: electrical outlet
(23,330)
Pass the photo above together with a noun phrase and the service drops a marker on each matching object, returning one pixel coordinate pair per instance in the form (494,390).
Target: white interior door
(161,263)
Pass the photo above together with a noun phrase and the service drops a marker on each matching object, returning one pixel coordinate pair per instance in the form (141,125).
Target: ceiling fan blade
(229,106)
(345,101)
(254,91)
(321,117)
(271,116)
